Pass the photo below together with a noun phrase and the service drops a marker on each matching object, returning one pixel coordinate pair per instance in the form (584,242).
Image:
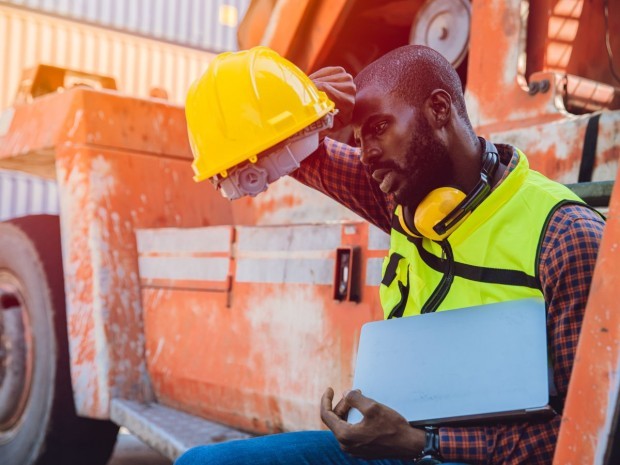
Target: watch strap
(430,455)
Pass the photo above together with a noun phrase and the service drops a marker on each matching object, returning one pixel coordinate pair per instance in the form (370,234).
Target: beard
(428,166)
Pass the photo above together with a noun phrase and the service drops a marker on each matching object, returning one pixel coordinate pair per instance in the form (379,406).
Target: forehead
(373,101)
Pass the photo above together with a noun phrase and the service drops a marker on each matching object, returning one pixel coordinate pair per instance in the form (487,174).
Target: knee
(193,456)
(225,453)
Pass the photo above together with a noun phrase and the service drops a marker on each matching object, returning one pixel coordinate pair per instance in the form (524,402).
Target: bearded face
(424,166)
(399,147)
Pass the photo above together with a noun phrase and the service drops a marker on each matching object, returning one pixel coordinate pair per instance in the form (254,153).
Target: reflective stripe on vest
(491,257)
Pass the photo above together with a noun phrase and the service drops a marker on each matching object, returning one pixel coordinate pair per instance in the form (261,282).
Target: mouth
(379,174)
(384,177)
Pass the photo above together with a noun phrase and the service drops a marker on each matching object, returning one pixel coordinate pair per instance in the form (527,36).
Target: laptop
(487,362)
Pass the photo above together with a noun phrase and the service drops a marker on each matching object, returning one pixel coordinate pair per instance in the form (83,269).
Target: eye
(380,127)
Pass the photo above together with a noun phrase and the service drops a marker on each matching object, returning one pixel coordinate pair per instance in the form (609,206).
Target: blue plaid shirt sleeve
(336,171)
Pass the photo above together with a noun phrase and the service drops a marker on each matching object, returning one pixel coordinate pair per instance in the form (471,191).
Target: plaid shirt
(567,259)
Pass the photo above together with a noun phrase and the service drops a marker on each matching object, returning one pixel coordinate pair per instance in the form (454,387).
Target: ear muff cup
(434,208)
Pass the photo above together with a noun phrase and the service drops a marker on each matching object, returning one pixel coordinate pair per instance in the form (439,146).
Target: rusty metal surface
(197,258)
(123,163)
(289,202)
(494,71)
(259,358)
(555,148)
(120,163)
(167,430)
(105,119)
(596,193)
(129,450)
(524,55)
(593,393)
(289,26)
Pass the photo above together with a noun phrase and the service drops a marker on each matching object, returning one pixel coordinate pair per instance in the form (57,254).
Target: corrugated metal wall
(22,194)
(137,63)
(206,24)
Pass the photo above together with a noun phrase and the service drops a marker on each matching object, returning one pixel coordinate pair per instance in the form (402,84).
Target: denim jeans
(301,448)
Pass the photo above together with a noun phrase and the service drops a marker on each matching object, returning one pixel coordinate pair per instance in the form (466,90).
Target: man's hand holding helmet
(340,88)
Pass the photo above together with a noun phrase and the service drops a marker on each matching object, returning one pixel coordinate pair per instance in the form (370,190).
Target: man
(414,137)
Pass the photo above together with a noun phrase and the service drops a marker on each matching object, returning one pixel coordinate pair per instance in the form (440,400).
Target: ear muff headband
(434,204)
(490,162)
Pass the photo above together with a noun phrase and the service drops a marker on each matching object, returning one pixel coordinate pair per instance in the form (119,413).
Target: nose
(370,153)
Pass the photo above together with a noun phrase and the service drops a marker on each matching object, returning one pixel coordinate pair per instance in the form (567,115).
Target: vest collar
(498,197)
(502,193)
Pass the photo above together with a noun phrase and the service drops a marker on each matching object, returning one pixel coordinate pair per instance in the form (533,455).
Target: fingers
(351,399)
(342,408)
(327,415)
(327,399)
(336,73)
(340,92)
(331,419)
(340,88)
(355,399)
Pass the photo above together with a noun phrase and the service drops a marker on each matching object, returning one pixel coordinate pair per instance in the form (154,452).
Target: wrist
(430,454)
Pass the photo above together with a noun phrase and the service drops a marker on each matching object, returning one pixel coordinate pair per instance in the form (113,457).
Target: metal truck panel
(113,176)
(555,148)
(501,71)
(210,25)
(280,255)
(137,63)
(199,258)
(92,118)
(259,357)
(289,202)
(22,194)
(167,430)
(592,403)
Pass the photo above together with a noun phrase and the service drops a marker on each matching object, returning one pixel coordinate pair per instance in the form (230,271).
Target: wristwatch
(430,454)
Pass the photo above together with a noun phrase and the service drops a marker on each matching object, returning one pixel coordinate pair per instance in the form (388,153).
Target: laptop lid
(472,364)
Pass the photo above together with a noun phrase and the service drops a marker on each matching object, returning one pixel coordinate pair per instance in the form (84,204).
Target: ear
(438,108)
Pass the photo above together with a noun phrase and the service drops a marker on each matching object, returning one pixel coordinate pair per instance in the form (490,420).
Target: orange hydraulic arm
(590,419)
(303,31)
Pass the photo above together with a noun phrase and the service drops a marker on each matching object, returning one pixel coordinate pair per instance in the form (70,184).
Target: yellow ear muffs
(434,208)
(445,208)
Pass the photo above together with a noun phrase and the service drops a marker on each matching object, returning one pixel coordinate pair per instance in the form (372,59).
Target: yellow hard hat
(245,103)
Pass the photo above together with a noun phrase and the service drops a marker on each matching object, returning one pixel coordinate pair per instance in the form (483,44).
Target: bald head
(412,72)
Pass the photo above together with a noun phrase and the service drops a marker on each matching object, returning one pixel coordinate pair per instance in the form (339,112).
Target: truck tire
(38,423)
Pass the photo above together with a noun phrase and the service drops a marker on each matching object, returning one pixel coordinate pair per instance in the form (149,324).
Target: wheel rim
(16,355)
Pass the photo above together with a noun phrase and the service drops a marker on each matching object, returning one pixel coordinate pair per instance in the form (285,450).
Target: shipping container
(138,64)
(206,24)
(22,194)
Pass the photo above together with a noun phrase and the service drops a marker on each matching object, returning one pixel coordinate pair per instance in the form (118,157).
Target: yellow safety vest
(491,257)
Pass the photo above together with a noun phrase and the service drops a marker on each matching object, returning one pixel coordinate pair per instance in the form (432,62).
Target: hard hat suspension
(251,179)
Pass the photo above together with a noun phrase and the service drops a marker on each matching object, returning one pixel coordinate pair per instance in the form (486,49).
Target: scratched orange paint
(592,400)
(121,163)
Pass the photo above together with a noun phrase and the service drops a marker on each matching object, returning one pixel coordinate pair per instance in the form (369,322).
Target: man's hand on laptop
(382,433)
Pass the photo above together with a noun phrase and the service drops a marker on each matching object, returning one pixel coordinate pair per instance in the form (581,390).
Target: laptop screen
(482,362)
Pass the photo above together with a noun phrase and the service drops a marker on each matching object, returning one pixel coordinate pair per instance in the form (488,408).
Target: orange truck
(137,298)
